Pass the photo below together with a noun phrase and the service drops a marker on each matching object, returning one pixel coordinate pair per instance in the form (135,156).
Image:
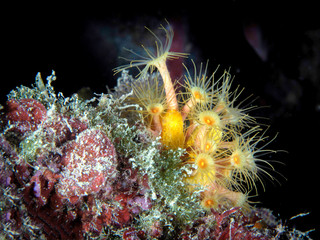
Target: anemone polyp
(209,145)
(155,108)
(209,202)
(242,159)
(237,159)
(203,161)
(211,199)
(199,94)
(205,169)
(209,118)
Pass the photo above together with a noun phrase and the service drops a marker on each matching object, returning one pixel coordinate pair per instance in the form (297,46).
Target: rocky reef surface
(89,169)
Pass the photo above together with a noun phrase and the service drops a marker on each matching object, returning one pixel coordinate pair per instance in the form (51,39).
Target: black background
(70,40)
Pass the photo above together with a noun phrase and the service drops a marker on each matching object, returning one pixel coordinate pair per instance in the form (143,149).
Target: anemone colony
(220,138)
(157,158)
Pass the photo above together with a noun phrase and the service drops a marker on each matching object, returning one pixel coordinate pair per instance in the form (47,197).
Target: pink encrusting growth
(67,173)
(89,163)
(25,114)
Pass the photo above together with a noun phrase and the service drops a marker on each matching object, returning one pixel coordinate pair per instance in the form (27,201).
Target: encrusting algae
(156,158)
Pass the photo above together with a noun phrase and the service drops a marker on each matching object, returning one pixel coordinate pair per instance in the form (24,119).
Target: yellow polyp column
(172,134)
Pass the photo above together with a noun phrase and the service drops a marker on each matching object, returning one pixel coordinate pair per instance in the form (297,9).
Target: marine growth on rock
(157,158)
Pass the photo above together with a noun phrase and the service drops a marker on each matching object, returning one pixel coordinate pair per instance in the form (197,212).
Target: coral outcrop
(136,163)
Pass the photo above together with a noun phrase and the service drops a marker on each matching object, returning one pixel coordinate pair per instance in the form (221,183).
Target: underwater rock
(24,115)
(118,167)
(89,163)
(60,128)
